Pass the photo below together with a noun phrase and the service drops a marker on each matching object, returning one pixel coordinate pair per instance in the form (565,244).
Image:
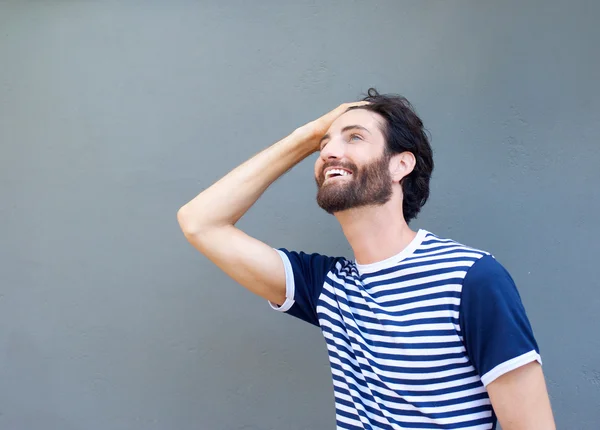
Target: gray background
(113,115)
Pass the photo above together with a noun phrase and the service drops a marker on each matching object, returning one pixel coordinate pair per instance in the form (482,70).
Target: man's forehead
(368,119)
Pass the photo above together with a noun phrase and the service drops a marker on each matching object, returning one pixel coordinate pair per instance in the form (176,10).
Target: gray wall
(114,115)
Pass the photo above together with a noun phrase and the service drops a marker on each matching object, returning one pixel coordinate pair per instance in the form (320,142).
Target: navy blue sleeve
(496,331)
(305,275)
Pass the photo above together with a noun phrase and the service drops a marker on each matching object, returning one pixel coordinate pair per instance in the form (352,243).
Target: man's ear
(401,165)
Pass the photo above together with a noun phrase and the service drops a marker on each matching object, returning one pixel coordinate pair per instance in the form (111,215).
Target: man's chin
(331,203)
(334,209)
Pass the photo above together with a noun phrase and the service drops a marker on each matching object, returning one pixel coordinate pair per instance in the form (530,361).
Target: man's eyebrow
(355,126)
(345,129)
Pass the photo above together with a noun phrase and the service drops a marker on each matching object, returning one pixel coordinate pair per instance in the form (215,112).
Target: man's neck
(375,233)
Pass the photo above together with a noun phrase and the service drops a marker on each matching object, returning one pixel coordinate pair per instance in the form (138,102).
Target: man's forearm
(226,201)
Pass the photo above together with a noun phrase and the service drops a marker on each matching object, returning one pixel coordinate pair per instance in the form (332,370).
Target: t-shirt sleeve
(304,278)
(496,331)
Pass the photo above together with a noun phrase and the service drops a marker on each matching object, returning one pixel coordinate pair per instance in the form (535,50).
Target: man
(422,332)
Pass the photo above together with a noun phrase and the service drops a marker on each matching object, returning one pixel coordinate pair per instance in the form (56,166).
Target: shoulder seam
(485,254)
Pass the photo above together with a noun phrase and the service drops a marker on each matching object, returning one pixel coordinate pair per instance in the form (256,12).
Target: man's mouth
(333,173)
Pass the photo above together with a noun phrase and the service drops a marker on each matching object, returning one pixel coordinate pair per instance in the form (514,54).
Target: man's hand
(315,130)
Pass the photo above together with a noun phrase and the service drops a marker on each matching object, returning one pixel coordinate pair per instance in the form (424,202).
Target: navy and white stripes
(395,333)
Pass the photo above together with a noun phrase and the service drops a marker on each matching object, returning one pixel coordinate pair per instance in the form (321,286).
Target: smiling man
(422,332)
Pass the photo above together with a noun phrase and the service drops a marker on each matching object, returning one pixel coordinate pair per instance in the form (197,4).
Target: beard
(369,186)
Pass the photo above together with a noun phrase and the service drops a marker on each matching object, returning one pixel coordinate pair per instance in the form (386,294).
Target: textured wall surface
(114,115)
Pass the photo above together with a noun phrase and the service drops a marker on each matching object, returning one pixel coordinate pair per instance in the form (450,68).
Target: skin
(374,231)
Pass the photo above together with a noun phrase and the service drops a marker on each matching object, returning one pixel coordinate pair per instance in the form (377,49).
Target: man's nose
(334,149)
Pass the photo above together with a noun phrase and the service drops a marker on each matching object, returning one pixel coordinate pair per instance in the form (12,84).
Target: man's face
(353,168)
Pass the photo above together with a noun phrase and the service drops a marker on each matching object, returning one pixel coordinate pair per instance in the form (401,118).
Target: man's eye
(355,136)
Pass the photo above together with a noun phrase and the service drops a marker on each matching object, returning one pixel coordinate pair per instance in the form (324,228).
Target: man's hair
(403,131)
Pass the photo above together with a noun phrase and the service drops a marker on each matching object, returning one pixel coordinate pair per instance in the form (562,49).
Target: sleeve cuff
(289,284)
(509,365)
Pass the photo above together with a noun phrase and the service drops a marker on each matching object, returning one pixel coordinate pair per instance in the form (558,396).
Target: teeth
(332,172)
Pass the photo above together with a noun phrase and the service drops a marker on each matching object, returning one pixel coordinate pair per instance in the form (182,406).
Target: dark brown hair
(404,131)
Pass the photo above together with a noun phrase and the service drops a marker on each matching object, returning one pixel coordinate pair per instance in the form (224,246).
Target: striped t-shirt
(413,340)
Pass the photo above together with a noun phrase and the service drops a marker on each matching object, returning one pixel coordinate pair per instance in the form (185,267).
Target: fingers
(361,103)
(341,109)
(331,116)
(354,104)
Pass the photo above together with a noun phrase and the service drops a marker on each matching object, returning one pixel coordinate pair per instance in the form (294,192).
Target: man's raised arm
(208,221)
